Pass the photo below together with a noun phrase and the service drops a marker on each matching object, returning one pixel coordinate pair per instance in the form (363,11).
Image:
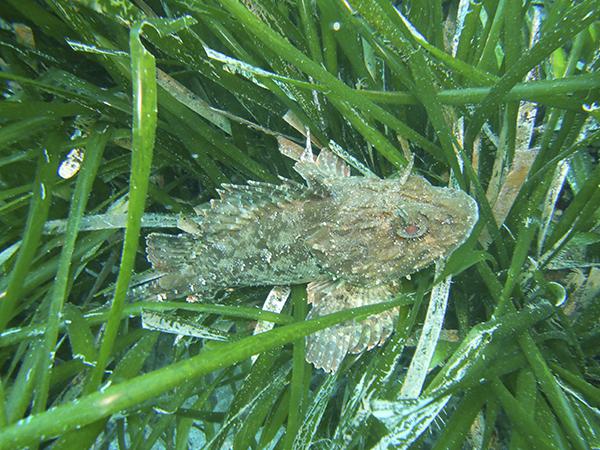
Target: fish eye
(411,227)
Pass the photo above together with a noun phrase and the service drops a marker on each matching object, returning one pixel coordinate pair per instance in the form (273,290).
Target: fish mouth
(471,209)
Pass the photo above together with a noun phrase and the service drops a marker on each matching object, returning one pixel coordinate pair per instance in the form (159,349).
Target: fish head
(427,223)
(381,230)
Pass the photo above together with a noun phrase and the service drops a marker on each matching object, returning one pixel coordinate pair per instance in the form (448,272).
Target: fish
(350,239)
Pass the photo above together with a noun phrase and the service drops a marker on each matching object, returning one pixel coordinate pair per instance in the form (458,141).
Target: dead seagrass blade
(351,238)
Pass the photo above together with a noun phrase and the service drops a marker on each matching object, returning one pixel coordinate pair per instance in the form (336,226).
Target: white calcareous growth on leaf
(350,238)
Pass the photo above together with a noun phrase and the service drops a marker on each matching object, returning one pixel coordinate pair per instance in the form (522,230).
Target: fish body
(350,238)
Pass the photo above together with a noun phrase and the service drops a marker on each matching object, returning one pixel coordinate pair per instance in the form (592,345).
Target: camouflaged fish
(350,238)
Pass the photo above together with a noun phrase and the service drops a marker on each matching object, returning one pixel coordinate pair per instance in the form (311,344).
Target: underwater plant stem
(419,366)
(143,73)
(103,403)
(38,212)
(91,162)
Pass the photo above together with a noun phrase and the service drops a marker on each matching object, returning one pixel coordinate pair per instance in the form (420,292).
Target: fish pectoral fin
(327,348)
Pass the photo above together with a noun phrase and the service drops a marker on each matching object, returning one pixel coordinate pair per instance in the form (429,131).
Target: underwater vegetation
(434,247)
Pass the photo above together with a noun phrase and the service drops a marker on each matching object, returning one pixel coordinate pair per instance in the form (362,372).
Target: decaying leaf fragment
(350,238)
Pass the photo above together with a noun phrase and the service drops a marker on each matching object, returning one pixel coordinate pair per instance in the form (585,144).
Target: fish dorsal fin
(239,205)
(315,170)
(332,164)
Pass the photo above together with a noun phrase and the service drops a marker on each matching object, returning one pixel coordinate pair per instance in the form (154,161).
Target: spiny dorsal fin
(330,163)
(239,204)
(316,171)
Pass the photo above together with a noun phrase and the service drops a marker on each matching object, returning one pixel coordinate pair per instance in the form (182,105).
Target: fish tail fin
(175,259)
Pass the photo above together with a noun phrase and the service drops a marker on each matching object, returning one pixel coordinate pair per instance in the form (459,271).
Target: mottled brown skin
(351,238)
(363,233)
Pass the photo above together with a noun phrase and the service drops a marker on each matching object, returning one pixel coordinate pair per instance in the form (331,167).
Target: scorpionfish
(351,238)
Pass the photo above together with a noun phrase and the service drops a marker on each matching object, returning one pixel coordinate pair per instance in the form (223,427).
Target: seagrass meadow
(118,117)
